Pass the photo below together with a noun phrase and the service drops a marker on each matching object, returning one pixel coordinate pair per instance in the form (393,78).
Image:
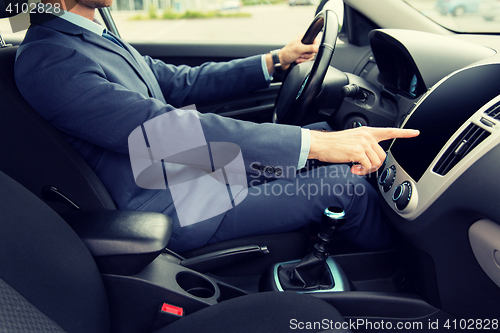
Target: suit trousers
(275,206)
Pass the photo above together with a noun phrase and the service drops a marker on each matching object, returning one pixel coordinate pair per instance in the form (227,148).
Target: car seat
(49,282)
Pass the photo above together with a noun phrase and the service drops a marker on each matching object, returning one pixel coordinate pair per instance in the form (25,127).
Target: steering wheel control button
(386,179)
(402,195)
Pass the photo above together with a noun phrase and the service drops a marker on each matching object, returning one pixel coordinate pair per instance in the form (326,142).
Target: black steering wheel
(303,81)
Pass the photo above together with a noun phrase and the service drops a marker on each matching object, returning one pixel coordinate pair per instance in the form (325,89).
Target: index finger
(381,134)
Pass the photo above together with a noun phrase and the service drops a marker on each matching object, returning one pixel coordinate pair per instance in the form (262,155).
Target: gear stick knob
(333,218)
(312,272)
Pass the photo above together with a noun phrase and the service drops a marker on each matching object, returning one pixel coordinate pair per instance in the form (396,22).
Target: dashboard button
(386,179)
(402,195)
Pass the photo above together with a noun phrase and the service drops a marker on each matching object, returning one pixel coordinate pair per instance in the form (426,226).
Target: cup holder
(195,285)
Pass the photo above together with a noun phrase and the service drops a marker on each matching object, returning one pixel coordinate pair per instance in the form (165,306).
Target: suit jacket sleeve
(72,92)
(184,85)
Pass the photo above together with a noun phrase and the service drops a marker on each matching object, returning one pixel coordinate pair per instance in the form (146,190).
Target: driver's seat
(50,283)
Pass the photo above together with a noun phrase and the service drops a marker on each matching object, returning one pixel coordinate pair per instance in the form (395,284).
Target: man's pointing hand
(359,145)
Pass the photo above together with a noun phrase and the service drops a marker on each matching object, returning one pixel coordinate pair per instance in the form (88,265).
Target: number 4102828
(472,324)
(33,8)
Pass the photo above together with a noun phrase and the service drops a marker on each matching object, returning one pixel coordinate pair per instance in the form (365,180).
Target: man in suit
(96,89)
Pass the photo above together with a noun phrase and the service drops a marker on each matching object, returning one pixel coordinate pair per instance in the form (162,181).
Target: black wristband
(276,60)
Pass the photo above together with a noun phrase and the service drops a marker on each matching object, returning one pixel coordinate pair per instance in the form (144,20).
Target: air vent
(466,141)
(494,111)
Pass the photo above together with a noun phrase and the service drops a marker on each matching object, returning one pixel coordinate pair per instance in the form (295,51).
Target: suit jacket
(96,93)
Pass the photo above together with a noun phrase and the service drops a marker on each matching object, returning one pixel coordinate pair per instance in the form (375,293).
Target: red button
(175,310)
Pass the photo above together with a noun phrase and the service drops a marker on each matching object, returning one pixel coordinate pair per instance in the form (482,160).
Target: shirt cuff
(305,147)
(264,69)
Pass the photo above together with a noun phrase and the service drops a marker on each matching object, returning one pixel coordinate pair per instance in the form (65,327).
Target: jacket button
(278,171)
(262,168)
(255,166)
(270,170)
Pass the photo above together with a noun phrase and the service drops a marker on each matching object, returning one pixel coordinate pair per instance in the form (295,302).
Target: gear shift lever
(333,218)
(311,272)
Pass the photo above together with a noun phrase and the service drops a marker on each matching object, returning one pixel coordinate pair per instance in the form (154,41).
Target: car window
(8,35)
(234,21)
(461,15)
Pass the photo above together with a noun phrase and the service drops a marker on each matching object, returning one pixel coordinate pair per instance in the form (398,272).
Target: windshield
(461,15)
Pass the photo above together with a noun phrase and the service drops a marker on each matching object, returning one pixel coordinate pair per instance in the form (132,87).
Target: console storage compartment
(162,281)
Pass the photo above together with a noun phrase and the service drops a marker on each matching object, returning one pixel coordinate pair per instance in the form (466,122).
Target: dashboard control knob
(386,179)
(402,195)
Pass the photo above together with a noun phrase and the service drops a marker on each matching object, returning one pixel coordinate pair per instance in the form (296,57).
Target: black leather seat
(49,282)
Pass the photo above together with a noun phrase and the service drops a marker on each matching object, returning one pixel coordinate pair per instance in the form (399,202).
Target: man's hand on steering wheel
(295,51)
(303,82)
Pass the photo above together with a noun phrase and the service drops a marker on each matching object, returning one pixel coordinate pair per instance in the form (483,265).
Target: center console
(164,282)
(457,126)
(440,192)
(317,271)
(149,287)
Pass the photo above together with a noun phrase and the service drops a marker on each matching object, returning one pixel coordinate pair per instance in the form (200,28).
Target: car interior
(72,262)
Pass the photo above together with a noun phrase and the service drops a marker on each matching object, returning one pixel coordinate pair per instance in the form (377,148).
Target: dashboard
(397,70)
(440,190)
(449,113)
(455,128)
